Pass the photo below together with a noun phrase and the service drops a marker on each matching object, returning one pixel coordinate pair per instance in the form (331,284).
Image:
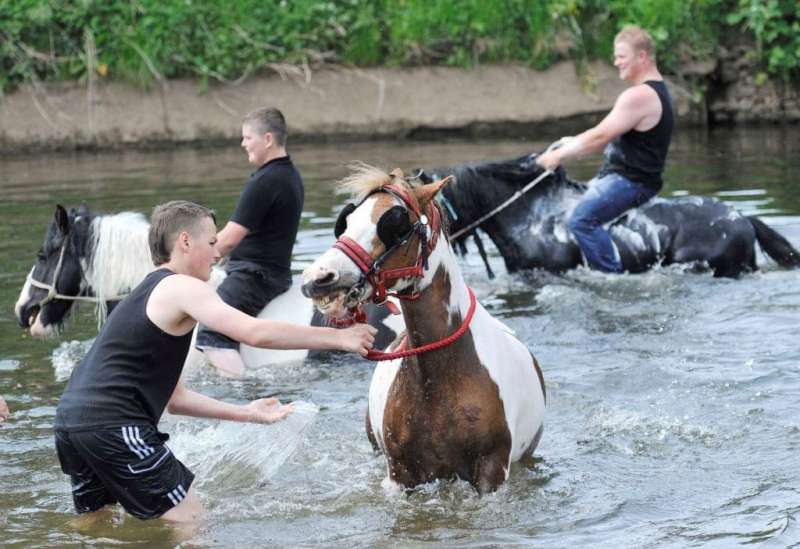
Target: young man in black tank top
(106,426)
(636,136)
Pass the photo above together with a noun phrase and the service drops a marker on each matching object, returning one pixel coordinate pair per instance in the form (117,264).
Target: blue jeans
(607,198)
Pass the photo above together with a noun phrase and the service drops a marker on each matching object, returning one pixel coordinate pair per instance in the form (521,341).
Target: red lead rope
(380,355)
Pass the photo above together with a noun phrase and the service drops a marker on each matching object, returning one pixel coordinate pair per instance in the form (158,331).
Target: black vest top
(639,156)
(130,372)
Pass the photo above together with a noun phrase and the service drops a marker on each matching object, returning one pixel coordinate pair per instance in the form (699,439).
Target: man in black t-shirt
(260,234)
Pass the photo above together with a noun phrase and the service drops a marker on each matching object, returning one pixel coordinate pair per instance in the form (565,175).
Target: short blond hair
(168,221)
(637,38)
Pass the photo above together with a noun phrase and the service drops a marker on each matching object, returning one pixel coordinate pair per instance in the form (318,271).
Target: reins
(513,198)
(444,342)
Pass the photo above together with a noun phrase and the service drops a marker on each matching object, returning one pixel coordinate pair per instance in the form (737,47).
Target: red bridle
(372,272)
(371,268)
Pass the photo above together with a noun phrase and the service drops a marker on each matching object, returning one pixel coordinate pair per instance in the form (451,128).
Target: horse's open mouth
(332,305)
(33,314)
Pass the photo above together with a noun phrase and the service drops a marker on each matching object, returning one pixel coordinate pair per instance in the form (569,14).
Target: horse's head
(56,271)
(383,242)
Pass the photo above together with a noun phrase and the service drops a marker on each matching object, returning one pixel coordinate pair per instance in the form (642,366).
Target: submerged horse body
(459,395)
(532,232)
(100,258)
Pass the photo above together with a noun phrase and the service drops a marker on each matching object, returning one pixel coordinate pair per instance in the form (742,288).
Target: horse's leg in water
(490,471)
(370,434)
(228,361)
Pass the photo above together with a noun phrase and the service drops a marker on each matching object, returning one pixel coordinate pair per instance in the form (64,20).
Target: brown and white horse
(461,396)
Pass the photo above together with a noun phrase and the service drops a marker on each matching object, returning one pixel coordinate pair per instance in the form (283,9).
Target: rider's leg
(248,292)
(606,199)
(228,362)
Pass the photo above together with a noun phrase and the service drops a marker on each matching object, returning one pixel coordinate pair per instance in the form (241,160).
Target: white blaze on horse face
(360,228)
(24,296)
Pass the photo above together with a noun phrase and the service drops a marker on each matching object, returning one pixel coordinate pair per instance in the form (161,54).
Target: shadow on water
(672,396)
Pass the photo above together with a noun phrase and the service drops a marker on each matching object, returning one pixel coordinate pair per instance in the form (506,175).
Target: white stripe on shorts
(147,449)
(131,444)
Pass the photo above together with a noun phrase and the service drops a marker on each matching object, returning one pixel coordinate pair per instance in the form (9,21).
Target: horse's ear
(61,219)
(83,210)
(425,193)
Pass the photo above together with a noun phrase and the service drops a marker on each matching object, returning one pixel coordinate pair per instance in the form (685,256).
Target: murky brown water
(672,418)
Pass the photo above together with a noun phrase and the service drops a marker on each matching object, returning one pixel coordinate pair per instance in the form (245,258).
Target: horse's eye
(40,255)
(393,225)
(341,221)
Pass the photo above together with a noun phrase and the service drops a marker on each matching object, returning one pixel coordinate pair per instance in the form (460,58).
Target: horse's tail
(775,245)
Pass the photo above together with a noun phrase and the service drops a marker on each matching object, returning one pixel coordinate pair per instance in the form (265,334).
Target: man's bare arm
(190,403)
(631,107)
(179,296)
(230,236)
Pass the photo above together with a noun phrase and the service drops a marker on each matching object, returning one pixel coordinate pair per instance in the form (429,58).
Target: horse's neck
(118,256)
(443,300)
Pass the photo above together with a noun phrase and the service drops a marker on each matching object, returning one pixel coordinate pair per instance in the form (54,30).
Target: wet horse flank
(532,233)
(100,258)
(459,395)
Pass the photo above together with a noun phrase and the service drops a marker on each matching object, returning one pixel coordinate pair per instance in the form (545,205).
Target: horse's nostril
(26,316)
(319,286)
(327,280)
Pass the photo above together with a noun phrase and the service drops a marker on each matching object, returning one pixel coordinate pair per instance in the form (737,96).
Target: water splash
(68,355)
(227,455)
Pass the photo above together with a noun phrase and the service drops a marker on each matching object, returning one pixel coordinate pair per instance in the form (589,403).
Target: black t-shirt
(640,156)
(269,207)
(131,371)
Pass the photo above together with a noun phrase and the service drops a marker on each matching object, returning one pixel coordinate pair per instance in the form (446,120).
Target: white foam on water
(68,355)
(226,455)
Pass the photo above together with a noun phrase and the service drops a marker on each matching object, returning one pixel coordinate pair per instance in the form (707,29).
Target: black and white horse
(99,258)
(532,232)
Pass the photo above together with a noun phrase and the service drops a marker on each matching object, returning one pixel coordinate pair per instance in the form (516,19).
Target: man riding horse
(636,136)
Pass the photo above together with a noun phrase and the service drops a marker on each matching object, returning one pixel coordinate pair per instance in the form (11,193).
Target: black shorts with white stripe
(129,465)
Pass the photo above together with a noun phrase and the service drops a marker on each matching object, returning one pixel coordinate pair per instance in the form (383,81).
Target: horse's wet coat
(533,233)
(465,410)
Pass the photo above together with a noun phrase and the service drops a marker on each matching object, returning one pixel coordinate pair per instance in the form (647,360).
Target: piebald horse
(533,232)
(459,395)
(99,258)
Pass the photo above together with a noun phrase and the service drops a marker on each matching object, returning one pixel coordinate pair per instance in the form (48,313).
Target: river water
(673,414)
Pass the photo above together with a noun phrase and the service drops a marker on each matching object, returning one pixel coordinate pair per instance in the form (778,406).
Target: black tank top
(639,156)
(130,372)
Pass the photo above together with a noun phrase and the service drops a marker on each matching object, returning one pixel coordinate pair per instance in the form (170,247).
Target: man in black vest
(636,136)
(106,426)
(260,234)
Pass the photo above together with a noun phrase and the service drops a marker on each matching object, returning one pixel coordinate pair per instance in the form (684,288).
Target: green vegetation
(143,41)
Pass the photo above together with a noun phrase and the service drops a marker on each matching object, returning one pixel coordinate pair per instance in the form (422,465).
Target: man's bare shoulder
(180,287)
(173,299)
(639,96)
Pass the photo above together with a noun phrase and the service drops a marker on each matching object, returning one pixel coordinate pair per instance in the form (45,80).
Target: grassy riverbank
(146,41)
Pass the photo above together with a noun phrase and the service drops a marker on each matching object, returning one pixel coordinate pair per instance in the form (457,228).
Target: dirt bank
(324,105)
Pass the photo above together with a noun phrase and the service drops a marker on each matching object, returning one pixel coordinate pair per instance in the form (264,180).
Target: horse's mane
(120,256)
(363,180)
